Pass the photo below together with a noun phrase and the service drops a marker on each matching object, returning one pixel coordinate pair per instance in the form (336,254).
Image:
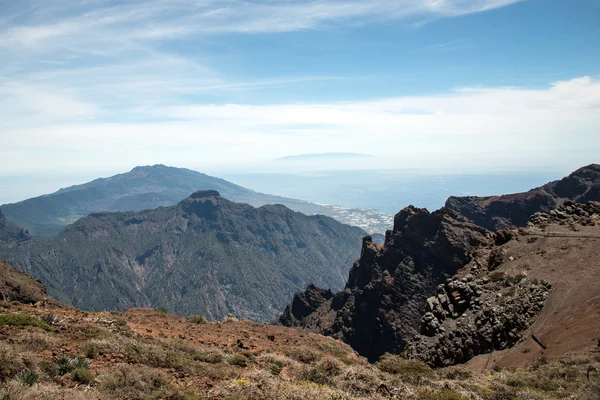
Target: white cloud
(474,127)
(160,19)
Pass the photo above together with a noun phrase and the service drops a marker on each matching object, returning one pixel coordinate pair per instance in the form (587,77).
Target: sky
(93,87)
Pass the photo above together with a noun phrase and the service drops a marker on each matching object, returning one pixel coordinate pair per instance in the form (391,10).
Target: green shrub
(23,320)
(445,394)
(49,368)
(303,354)
(91,351)
(239,359)
(276,368)
(82,375)
(198,319)
(81,363)
(314,375)
(67,364)
(162,310)
(27,378)
(322,372)
(209,357)
(412,371)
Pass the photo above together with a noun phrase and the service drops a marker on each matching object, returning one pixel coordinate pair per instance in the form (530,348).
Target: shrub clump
(445,394)
(82,375)
(198,319)
(23,320)
(322,373)
(303,354)
(67,364)
(408,370)
(28,378)
(239,359)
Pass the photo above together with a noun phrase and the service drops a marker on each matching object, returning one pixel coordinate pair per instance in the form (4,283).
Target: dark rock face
(206,255)
(469,317)
(381,308)
(304,304)
(499,212)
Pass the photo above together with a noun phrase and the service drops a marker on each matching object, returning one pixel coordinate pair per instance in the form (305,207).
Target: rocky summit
(206,255)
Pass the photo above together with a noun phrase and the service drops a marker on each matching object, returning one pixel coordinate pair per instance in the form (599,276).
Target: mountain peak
(202,194)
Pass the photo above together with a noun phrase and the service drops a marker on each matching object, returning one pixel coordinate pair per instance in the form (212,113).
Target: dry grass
(128,364)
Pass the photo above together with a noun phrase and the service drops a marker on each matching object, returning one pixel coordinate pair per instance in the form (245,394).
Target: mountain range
(206,255)
(149,187)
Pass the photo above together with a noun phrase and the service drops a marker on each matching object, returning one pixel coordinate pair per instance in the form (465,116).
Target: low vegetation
(153,355)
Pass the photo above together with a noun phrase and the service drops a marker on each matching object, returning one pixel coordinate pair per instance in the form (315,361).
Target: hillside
(150,187)
(51,352)
(498,212)
(206,255)
(444,290)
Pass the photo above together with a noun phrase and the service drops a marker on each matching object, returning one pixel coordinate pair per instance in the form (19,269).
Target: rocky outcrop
(384,299)
(304,304)
(514,210)
(570,213)
(483,309)
(18,286)
(472,316)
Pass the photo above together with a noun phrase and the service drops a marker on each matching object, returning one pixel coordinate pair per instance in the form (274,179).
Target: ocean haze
(386,191)
(391,190)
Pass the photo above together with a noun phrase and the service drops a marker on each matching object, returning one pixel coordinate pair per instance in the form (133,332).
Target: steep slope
(384,299)
(150,187)
(206,256)
(10,232)
(19,286)
(499,212)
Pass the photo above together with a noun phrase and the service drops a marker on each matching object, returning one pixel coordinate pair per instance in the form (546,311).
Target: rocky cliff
(384,299)
(493,301)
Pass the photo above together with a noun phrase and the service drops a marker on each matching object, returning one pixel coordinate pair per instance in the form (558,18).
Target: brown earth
(149,354)
(570,321)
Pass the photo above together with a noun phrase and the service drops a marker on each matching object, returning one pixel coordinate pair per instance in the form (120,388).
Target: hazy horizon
(383,190)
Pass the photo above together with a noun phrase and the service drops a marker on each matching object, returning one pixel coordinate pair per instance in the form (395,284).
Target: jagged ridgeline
(444,289)
(206,255)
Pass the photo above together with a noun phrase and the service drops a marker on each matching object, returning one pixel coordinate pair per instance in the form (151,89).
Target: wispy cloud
(471,126)
(160,19)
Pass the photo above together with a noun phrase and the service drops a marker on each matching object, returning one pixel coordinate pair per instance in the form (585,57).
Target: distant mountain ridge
(149,187)
(206,255)
(499,212)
